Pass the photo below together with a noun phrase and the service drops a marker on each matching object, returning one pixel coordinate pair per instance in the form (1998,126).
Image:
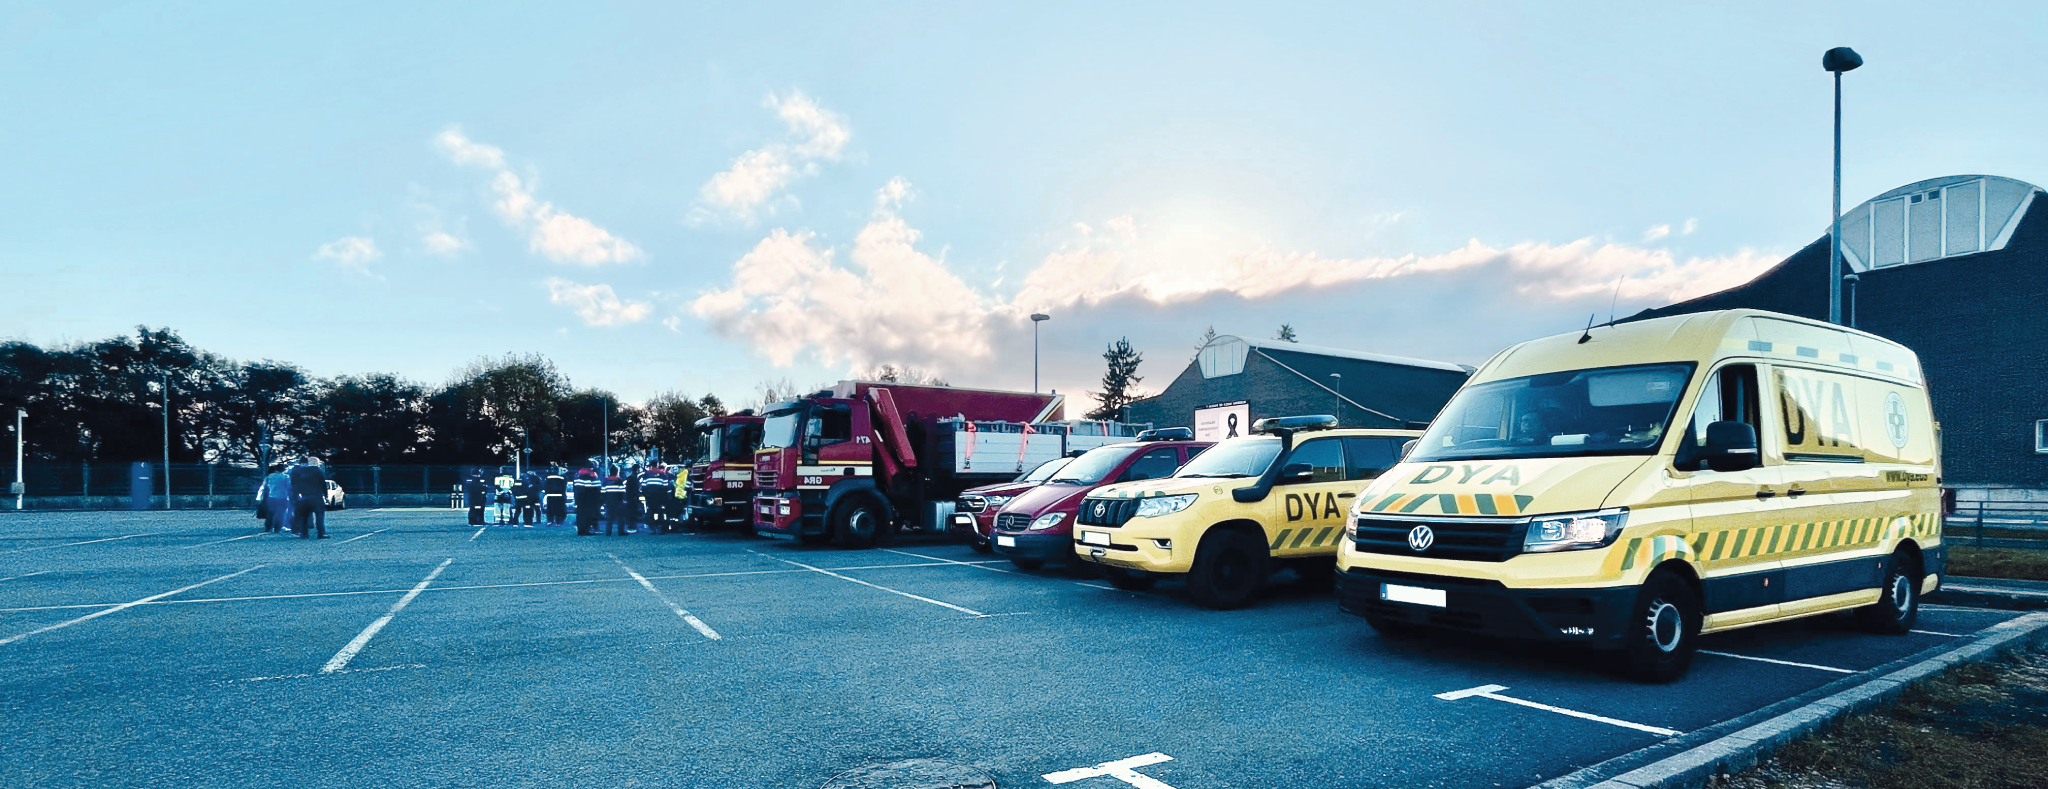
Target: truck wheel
(1895,612)
(1130,580)
(1662,630)
(1229,570)
(857,523)
(1028,565)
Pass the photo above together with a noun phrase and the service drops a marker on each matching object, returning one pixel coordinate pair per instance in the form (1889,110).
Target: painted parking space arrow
(1125,770)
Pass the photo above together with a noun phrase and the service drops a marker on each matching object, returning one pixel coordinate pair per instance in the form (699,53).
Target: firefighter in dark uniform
(634,504)
(660,492)
(309,500)
(555,492)
(476,495)
(615,506)
(589,501)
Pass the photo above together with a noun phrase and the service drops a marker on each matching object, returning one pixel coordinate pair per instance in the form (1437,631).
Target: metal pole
(607,437)
(167,440)
(19,490)
(1338,390)
(1835,235)
(1034,357)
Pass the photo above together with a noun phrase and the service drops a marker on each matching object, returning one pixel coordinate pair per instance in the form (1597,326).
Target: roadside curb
(1991,593)
(1690,761)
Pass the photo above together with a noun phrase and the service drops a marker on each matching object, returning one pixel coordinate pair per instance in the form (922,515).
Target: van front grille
(1464,539)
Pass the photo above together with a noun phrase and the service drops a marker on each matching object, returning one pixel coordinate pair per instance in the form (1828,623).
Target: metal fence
(216,485)
(1999,524)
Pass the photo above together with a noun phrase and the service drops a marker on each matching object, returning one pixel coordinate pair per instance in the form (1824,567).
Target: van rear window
(1606,411)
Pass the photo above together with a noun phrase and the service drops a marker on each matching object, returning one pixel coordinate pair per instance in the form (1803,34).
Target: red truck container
(865,459)
(722,480)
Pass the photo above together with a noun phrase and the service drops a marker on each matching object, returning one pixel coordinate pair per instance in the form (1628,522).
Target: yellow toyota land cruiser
(1634,486)
(1239,511)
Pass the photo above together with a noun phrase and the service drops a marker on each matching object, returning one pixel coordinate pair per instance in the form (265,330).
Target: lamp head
(1841,59)
(1040,316)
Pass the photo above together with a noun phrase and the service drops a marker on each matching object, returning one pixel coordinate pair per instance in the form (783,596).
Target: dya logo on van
(1509,474)
(1313,506)
(1895,419)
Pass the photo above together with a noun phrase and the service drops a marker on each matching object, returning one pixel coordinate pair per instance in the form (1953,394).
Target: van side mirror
(1297,472)
(1731,446)
(1408,448)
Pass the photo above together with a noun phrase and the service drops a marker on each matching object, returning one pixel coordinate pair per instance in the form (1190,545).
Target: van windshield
(1045,470)
(1094,465)
(1606,411)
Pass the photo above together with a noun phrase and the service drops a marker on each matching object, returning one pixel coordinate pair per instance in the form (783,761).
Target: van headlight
(1574,531)
(1047,521)
(1163,505)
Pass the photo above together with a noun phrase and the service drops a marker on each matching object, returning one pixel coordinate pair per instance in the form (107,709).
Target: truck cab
(1237,512)
(721,482)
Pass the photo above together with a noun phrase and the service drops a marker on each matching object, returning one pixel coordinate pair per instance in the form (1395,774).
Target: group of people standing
(293,499)
(618,504)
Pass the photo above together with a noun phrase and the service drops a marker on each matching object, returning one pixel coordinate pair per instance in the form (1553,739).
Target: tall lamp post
(19,489)
(1036,318)
(167,439)
(1337,388)
(1837,60)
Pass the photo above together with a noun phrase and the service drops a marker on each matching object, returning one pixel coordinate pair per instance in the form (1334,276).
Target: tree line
(103,402)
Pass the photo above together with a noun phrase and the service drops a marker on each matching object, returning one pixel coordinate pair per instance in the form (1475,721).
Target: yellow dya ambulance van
(1238,511)
(1634,486)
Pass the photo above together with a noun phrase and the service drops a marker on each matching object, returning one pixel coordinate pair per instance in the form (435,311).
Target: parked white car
(337,499)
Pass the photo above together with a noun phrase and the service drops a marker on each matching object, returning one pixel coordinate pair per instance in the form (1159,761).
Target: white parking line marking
(121,607)
(968,611)
(479,533)
(230,539)
(371,534)
(348,653)
(1097,586)
(30,575)
(449,588)
(1493,692)
(304,676)
(687,616)
(87,542)
(1125,770)
(1921,632)
(1779,662)
(974,565)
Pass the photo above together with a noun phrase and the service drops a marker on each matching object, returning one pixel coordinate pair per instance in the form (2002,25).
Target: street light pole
(167,439)
(19,489)
(1337,388)
(1036,318)
(1837,60)
(607,436)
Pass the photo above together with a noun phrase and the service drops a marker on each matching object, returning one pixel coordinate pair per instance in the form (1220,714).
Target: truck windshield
(1094,466)
(707,444)
(1045,470)
(1237,457)
(780,429)
(1607,411)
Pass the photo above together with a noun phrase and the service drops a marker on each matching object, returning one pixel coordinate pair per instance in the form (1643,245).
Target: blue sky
(660,196)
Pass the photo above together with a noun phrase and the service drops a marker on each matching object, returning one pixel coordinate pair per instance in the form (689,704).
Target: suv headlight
(1047,521)
(1574,531)
(1163,505)
(996,502)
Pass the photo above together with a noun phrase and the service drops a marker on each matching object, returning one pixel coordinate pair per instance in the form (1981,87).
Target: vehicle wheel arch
(865,488)
(1685,572)
(1910,548)
(1245,526)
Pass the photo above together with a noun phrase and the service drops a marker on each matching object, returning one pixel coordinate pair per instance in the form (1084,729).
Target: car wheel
(1229,570)
(1895,612)
(1662,632)
(1028,565)
(857,523)
(1130,580)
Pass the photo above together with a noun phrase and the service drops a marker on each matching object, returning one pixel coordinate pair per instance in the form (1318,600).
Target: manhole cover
(912,774)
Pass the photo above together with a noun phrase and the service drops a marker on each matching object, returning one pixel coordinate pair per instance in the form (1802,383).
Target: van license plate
(1094,538)
(1413,594)
(1007,542)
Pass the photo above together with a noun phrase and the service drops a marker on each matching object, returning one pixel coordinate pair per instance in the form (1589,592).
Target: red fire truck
(857,463)
(722,479)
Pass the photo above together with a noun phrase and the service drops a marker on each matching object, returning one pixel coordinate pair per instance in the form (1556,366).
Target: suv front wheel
(1229,570)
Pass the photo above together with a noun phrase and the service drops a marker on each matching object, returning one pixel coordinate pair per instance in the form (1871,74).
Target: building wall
(1979,323)
(1408,393)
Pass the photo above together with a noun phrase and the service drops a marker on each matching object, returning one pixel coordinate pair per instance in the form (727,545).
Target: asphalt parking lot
(173,649)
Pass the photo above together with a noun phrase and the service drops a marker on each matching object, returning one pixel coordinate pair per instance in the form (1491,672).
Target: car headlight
(1163,505)
(996,502)
(1574,531)
(1048,521)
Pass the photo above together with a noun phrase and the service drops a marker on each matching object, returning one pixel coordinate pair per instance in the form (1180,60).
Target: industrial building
(1234,380)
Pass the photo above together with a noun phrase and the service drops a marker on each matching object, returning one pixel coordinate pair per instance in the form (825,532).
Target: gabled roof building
(1235,380)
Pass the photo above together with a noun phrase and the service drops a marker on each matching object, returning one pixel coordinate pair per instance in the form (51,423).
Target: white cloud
(1690,225)
(444,244)
(1656,232)
(351,253)
(750,187)
(597,305)
(560,236)
(893,303)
